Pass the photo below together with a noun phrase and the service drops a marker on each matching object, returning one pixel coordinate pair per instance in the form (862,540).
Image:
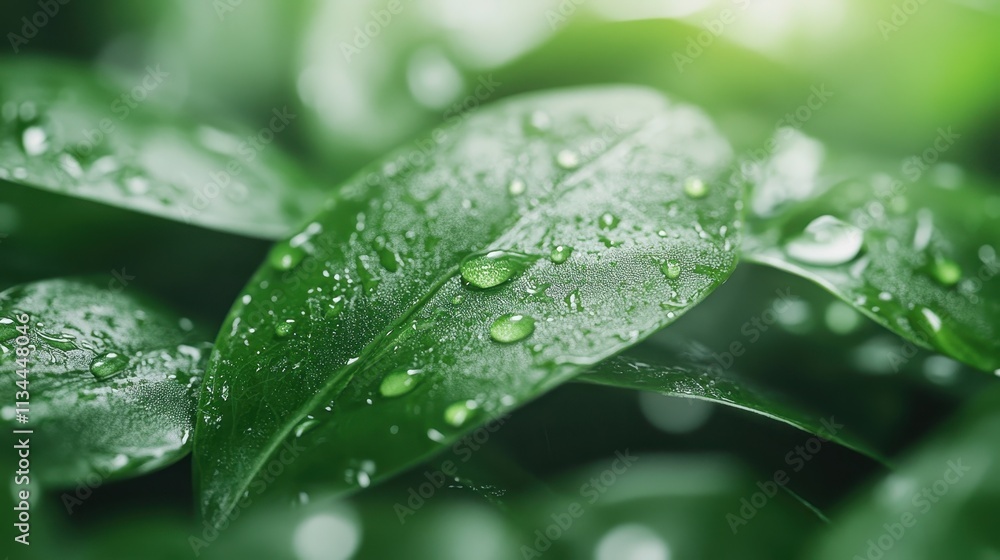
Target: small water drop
(305,426)
(62,342)
(335,307)
(695,187)
(285,257)
(560,253)
(607,221)
(671,269)
(568,159)
(285,328)
(493,268)
(107,365)
(512,328)
(399,383)
(573,301)
(459,413)
(516,187)
(946,271)
(35,141)
(8,329)
(826,241)
(540,120)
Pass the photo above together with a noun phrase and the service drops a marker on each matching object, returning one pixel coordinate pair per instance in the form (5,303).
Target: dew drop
(61,342)
(459,413)
(335,307)
(512,328)
(285,257)
(573,301)
(826,241)
(493,268)
(285,328)
(516,187)
(8,329)
(695,187)
(305,426)
(560,253)
(607,221)
(671,269)
(568,159)
(946,271)
(399,383)
(107,365)
(35,141)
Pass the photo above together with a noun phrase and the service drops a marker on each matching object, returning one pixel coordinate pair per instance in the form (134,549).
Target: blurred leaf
(66,129)
(914,253)
(111,377)
(547,234)
(689,377)
(937,505)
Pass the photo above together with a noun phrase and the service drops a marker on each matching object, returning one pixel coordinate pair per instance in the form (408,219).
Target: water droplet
(493,268)
(826,241)
(107,365)
(540,120)
(512,328)
(399,383)
(8,329)
(305,426)
(695,187)
(560,253)
(671,269)
(516,187)
(607,221)
(946,271)
(285,257)
(568,159)
(572,300)
(62,342)
(335,307)
(284,329)
(459,413)
(35,141)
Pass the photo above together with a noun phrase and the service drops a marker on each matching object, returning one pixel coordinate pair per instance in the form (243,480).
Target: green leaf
(937,505)
(692,376)
(70,130)
(915,252)
(361,342)
(111,378)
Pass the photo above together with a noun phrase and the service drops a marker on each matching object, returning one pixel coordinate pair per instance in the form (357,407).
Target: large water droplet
(459,413)
(108,364)
(35,141)
(512,328)
(62,342)
(8,329)
(285,257)
(494,268)
(695,187)
(399,383)
(560,253)
(826,241)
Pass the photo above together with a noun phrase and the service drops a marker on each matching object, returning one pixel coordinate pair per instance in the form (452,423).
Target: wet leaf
(692,376)
(70,130)
(366,342)
(912,246)
(111,378)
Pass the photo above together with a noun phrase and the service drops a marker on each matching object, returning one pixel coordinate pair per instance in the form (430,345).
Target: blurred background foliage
(363,79)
